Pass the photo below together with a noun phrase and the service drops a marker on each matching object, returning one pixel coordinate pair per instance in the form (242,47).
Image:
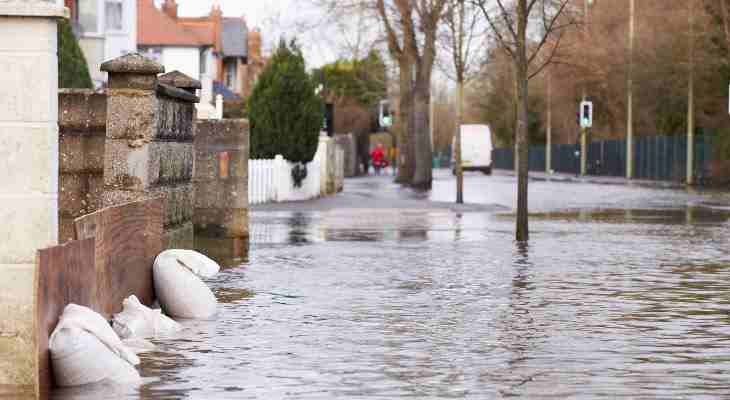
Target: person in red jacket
(377,158)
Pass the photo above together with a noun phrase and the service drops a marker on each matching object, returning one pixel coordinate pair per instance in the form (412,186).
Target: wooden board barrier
(128,238)
(65,275)
(112,259)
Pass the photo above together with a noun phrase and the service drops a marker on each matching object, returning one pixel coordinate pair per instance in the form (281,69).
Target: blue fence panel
(655,157)
(537,158)
(503,158)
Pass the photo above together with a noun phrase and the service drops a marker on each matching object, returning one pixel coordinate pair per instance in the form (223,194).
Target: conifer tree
(284,112)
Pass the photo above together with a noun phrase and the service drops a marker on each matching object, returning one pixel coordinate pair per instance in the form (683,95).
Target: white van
(476,149)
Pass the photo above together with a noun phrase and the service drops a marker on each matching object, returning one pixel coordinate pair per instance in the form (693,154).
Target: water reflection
(298,224)
(603,303)
(228,252)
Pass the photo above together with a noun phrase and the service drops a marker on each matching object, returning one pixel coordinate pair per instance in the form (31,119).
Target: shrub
(284,112)
(72,69)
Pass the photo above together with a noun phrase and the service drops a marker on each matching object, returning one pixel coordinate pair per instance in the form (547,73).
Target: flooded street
(385,293)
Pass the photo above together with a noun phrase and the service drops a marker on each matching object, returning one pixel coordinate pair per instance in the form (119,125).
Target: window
(231,75)
(113,15)
(203,61)
(88,16)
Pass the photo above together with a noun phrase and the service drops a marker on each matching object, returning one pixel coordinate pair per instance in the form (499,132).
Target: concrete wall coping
(32,8)
(180,80)
(74,91)
(133,63)
(176,93)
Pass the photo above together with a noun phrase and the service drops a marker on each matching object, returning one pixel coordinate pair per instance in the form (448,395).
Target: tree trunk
(423,173)
(725,22)
(457,142)
(406,158)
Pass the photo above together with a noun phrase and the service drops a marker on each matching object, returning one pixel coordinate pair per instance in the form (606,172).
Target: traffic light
(586,114)
(384,115)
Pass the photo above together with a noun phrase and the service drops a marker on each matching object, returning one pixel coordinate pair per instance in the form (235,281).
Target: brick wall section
(82,131)
(221,178)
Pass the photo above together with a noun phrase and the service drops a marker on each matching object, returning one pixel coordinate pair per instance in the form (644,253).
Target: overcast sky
(275,18)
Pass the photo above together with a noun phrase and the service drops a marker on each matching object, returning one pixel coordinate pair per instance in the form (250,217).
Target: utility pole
(431,114)
(691,97)
(630,100)
(457,143)
(549,134)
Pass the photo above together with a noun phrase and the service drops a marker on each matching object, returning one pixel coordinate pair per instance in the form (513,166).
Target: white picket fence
(261,181)
(271,181)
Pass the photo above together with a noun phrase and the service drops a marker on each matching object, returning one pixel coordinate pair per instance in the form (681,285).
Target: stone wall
(131,142)
(348,143)
(221,178)
(82,132)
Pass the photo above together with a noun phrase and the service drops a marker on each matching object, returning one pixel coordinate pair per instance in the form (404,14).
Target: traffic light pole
(584,151)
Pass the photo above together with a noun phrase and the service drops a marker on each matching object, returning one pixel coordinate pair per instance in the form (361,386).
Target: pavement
(598,180)
(378,193)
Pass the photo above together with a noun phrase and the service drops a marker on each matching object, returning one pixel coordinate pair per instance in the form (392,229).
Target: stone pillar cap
(32,8)
(133,63)
(179,80)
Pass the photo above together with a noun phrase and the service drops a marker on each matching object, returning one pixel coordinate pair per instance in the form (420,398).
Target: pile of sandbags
(85,349)
(179,287)
(139,321)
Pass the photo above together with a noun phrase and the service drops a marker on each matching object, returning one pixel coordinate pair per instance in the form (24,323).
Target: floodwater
(623,292)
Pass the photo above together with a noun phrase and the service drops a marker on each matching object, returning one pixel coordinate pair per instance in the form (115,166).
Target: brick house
(213,48)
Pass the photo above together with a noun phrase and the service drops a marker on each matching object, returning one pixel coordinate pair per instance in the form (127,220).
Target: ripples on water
(436,305)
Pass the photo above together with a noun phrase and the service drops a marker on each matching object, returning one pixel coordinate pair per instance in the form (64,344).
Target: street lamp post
(691,97)
(630,99)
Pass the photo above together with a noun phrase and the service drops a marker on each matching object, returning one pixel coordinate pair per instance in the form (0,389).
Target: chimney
(254,44)
(169,7)
(216,16)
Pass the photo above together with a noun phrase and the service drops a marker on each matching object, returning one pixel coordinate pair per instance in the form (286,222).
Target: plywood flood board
(65,275)
(127,237)
(111,260)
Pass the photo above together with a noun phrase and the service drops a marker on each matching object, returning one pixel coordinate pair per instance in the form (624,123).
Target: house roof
(228,94)
(235,37)
(155,28)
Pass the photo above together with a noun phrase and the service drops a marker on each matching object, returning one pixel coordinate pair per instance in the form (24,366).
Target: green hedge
(72,69)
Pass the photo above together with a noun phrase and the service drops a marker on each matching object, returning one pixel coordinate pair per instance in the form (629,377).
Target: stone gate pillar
(132,112)
(28,173)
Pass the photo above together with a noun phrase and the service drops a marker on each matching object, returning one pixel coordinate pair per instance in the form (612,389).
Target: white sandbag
(84,349)
(139,345)
(138,320)
(181,293)
(198,263)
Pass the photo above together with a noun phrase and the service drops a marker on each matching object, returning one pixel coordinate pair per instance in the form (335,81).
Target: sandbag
(138,320)
(198,263)
(85,349)
(179,289)
(139,345)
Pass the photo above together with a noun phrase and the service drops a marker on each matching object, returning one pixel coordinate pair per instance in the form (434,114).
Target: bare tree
(510,23)
(411,28)
(463,38)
